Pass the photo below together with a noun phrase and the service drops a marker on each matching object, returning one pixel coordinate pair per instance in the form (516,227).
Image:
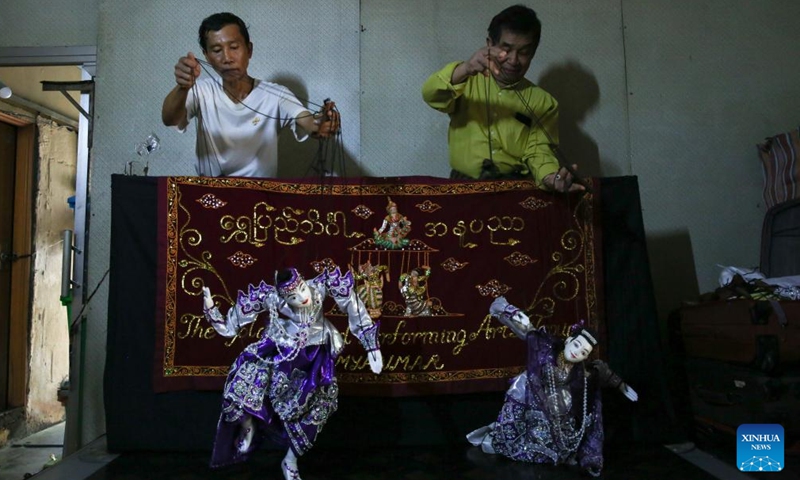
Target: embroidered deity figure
(393,231)
(414,289)
(370,290)
(283,387)
(552,411)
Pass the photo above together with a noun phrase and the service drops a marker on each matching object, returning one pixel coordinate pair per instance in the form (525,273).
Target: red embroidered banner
(460,245)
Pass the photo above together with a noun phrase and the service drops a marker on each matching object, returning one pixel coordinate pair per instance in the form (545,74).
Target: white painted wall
(48,23)
(707,81)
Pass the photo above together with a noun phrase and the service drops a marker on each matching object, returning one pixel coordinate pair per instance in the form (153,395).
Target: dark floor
(712,458)
(650,463)
(384,465)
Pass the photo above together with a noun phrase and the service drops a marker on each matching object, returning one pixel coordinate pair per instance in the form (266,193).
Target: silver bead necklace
(567,441)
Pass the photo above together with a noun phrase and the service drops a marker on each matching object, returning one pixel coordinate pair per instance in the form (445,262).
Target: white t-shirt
(241,139)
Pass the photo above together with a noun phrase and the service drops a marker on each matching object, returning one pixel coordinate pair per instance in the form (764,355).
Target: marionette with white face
(300,297)
(298,340)
(577,348)
(552,412)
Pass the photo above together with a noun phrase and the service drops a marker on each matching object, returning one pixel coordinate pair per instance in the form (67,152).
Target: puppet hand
(208,302)
(328,120)
(628,392)
(375,361)
(522,319)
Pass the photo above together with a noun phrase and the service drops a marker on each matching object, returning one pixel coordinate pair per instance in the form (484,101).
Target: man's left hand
(563,181)
(329,121)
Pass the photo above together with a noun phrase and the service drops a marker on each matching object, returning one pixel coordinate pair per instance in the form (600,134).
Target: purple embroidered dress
(550,415)
(286,380)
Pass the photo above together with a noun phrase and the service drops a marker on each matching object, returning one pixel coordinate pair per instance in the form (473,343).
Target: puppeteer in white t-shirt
(241,139)
(238,117)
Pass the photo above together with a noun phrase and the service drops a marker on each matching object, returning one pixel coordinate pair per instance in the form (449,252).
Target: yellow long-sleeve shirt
(485,118)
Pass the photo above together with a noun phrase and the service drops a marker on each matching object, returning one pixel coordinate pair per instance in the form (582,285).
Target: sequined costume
(394,229)
(370,291)
(550,414)
(286,380)
(415,293)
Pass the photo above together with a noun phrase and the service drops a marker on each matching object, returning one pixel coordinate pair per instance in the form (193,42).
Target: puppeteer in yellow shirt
(489,122)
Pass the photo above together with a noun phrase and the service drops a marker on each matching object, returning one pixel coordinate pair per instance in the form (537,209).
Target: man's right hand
(485,61)
(186,71)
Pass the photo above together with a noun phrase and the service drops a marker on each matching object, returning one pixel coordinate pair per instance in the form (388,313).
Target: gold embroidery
(493,289)
(518,259)
(428,207)
(451,264)
(242,260)
(569,274)
(209,200)
(362,211)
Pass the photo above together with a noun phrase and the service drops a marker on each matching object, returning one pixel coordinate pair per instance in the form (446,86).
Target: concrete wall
(48,23)
(49,334)
(48,361)
(706,82)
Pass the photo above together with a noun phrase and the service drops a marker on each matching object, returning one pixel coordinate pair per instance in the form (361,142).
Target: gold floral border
(428,377)
(354,189)
(584,231)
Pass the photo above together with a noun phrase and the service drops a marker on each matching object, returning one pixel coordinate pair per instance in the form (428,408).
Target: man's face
(228,53)
(519,49)
(300,297)
(577,349)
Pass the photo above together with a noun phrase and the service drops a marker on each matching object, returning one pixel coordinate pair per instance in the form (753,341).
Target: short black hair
(518,19)
(215,22)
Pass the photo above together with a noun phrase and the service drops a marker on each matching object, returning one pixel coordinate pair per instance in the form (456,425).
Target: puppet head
(391,206)
(293,288)
(579,344)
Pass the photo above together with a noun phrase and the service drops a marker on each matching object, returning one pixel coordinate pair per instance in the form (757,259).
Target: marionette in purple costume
(282,388)
(552,411)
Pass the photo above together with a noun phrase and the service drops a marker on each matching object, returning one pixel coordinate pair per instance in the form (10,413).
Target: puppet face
(300,297)
(577,349)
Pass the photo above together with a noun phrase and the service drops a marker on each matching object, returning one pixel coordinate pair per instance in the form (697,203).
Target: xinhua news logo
(759,447)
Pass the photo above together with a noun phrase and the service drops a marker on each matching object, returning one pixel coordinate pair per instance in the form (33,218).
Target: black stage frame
(138,419)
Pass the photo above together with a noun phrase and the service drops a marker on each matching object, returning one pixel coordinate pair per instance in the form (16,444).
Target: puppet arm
(611,379)
(244,312)
(511,316)
(340,287)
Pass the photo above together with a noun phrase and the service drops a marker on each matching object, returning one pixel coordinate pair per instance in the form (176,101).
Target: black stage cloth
(622,462)
(138,419)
